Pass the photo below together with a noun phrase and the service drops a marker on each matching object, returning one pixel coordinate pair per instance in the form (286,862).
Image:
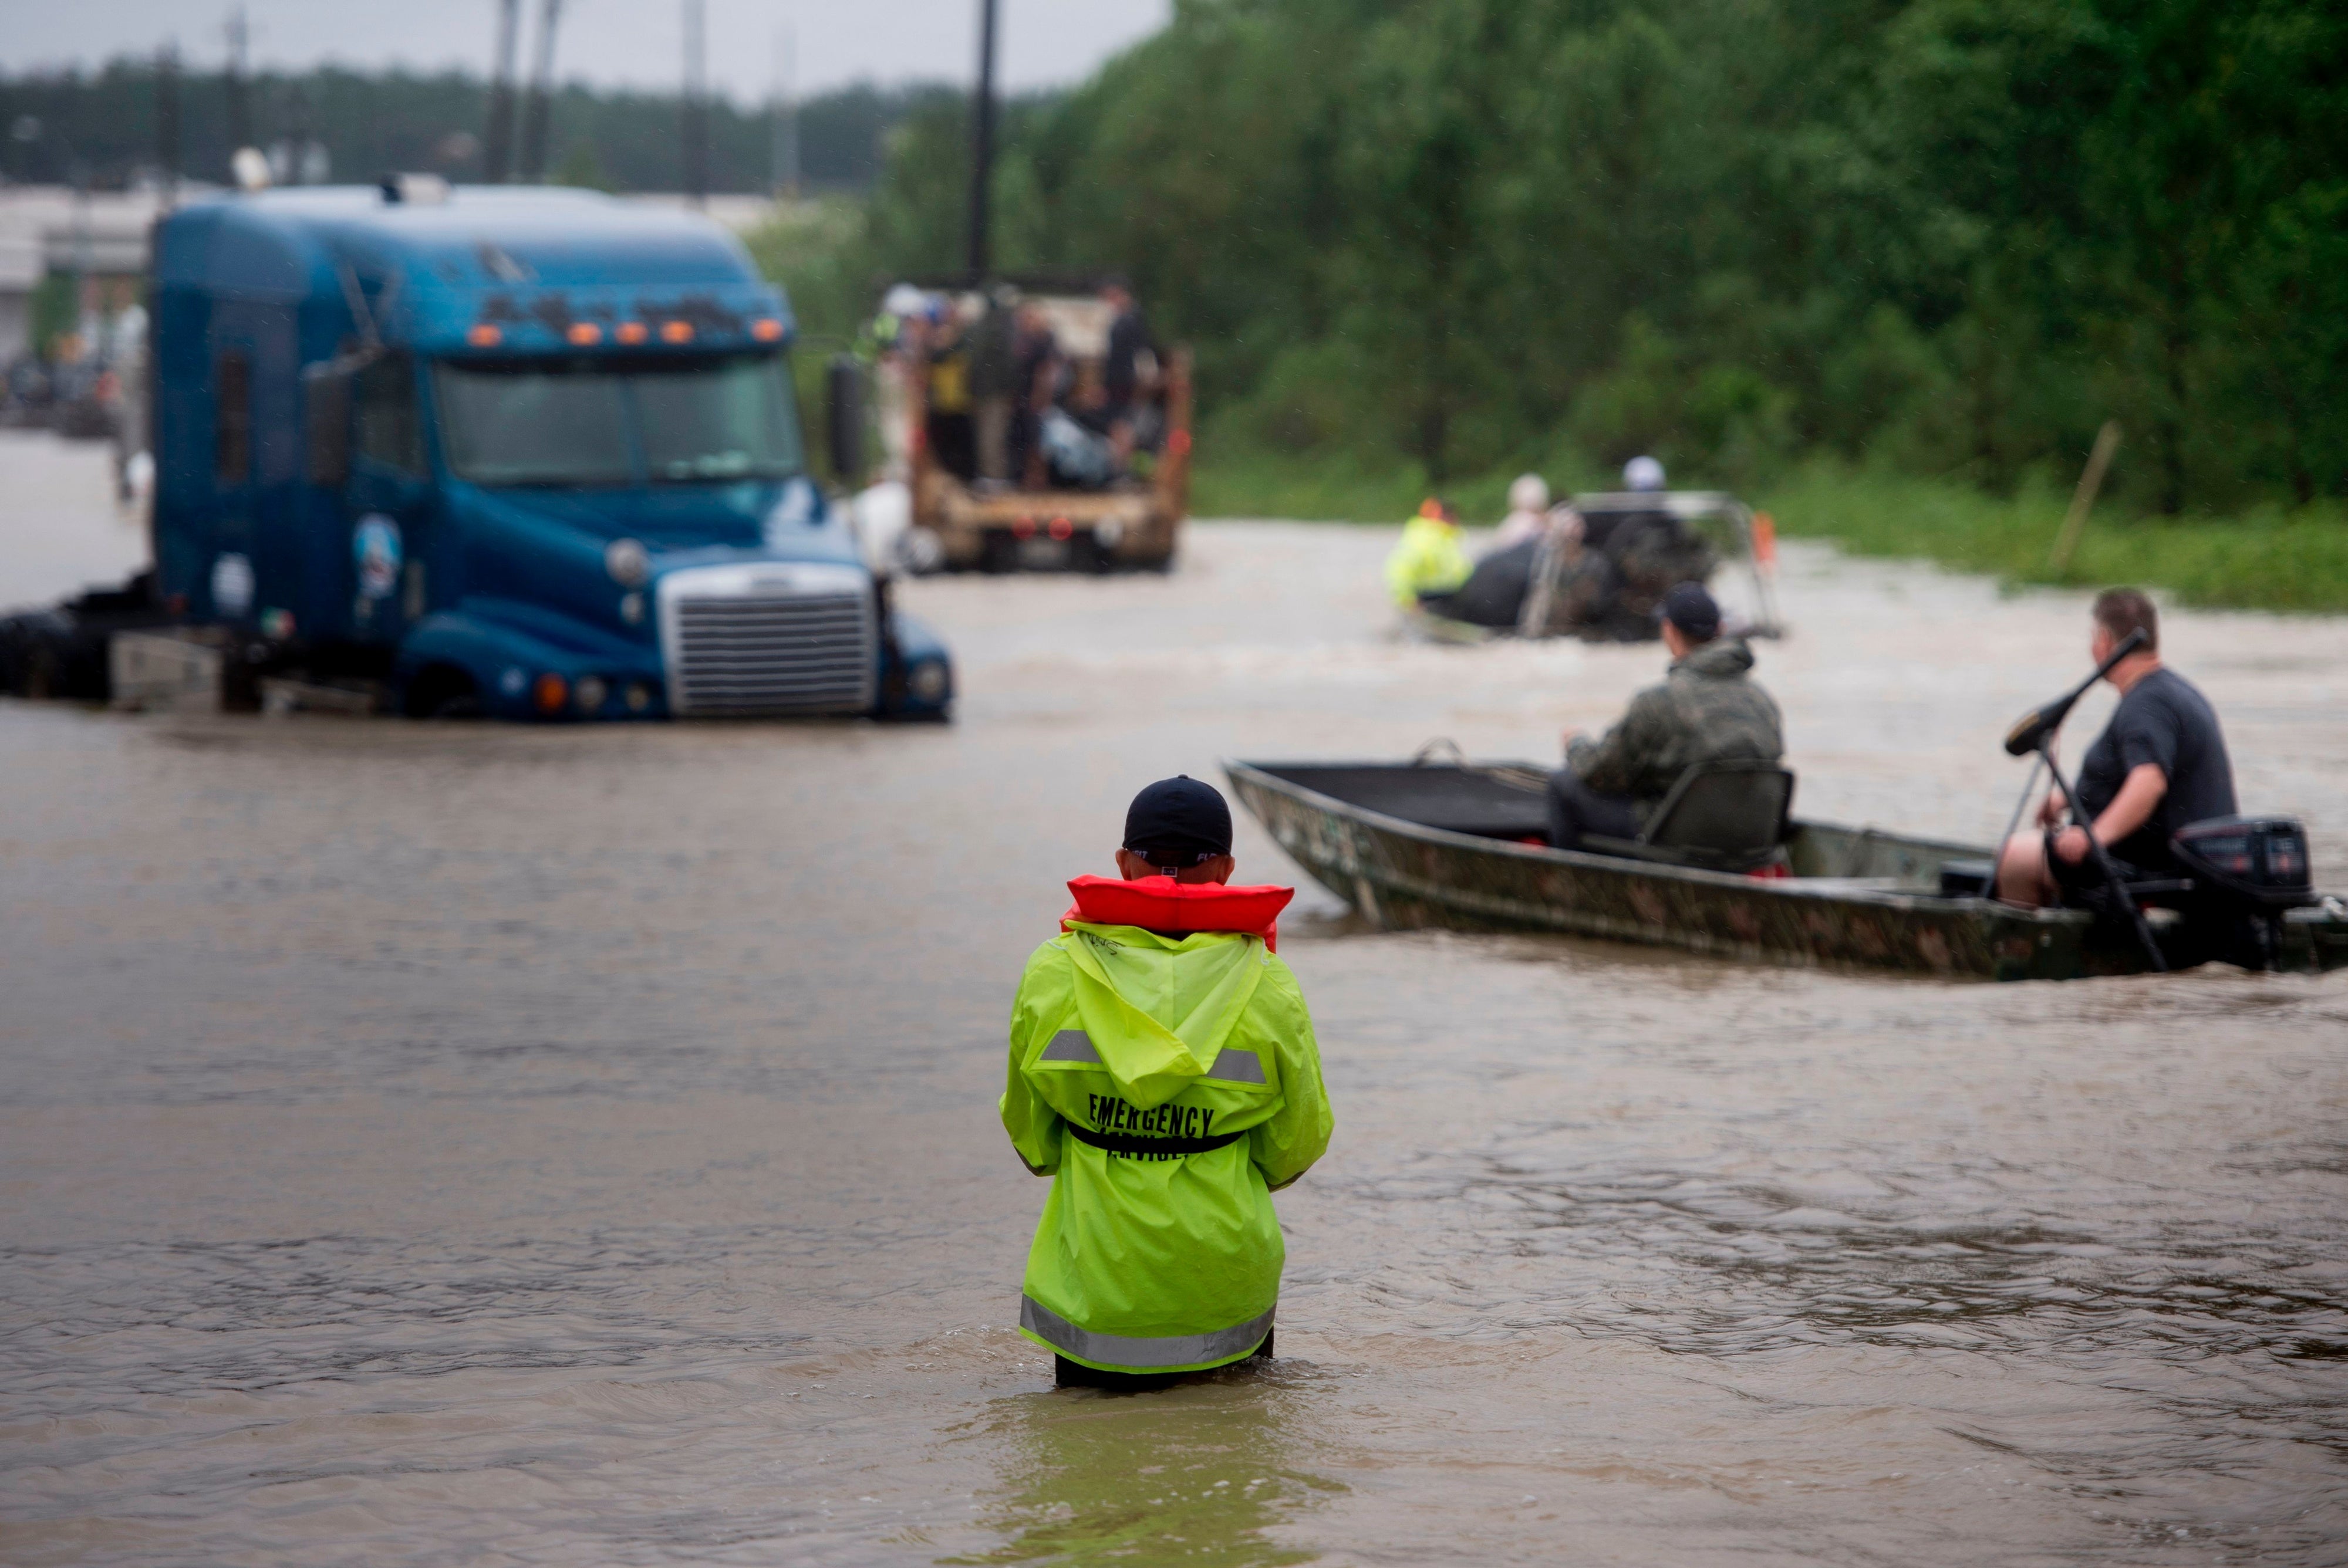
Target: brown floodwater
(484,1144)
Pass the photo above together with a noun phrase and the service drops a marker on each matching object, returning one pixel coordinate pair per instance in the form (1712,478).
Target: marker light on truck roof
(766,329)
(484,336)
(586,334)
(630,332)
(676,331)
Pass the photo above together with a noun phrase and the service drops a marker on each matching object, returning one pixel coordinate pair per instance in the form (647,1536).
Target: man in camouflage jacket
(1706,709)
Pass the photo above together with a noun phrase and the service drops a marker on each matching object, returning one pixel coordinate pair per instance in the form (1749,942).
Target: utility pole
(296,104)
(496,155)
(981,150)
(783,115)
(696,116)
(542,89)
(240,116)
(167,124)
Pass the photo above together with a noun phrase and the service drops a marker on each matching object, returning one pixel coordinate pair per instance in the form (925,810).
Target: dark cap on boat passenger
(1178,819)
(1692,610)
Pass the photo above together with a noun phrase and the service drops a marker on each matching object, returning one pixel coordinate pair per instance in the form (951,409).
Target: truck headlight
(628,562)
(928,681)
(589,693)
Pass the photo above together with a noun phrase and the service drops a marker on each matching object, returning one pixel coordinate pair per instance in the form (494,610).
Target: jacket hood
(1722,659)
(1158,1006)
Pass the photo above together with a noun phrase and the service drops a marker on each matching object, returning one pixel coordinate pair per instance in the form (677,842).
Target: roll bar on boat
(1723,519)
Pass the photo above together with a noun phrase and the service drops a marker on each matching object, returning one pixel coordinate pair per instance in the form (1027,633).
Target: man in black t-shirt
(2160,764)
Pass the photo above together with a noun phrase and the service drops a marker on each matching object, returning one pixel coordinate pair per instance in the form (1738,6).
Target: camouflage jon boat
(1463,846)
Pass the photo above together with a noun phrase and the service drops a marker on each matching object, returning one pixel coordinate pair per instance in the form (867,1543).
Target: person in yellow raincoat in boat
(1429,559)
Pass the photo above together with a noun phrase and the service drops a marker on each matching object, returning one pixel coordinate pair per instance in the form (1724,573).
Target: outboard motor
(2246,870)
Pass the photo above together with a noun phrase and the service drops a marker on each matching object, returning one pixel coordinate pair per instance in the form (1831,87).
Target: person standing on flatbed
(1164,1074)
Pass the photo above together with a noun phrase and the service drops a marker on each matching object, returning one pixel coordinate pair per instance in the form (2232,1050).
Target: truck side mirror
(843,384)
(326,420)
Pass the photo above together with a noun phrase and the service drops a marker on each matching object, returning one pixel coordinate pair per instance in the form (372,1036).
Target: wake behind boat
(1464,845)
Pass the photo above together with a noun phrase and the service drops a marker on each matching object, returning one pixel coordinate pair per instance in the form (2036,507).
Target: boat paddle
(2034,731)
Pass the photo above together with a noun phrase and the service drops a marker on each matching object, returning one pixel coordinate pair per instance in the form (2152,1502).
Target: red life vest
(1179,908)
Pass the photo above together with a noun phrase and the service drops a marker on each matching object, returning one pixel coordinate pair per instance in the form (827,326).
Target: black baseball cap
(1179,821)
(1691,609)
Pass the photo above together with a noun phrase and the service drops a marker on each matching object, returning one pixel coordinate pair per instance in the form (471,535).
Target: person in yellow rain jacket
(1163,1074)
(1428,559)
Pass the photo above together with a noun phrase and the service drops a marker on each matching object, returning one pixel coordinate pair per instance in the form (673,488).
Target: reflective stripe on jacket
(1167,1084)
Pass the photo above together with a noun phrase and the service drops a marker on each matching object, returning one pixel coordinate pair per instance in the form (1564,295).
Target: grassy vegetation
(2262,559)
(1331,488)
(1235,479)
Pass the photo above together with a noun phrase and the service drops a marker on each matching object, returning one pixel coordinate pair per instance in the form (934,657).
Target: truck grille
(744,640)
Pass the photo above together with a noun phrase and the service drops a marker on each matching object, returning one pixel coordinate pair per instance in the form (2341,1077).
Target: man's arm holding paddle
(2139,796)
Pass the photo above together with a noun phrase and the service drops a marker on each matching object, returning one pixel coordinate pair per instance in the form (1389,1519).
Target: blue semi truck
(532,454)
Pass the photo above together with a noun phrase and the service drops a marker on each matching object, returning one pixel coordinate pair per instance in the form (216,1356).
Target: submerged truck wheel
(442,691)
(998,553)
(31,656)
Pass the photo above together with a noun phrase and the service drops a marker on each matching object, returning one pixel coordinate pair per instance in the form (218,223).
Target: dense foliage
(1949,237)
(107,120)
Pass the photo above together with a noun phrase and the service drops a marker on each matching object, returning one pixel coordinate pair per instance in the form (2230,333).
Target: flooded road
(468,1143)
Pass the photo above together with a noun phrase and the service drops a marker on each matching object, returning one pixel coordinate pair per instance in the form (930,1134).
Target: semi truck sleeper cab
(530,454)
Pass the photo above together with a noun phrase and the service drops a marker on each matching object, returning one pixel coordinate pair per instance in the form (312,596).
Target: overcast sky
(637,42)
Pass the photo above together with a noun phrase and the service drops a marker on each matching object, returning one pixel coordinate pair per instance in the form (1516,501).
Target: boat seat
(1729,815)
(1978,879)
(1502,801)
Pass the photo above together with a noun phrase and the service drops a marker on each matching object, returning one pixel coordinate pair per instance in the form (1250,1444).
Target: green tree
(1949,235)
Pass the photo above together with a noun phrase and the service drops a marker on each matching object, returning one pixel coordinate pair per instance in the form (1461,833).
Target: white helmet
(1642,473)
(1529,493)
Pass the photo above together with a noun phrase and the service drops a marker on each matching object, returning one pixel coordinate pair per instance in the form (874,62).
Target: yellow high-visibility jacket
(1427,559)
(1167,1084)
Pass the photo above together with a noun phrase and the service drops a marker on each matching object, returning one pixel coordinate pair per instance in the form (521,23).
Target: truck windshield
(577,422)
